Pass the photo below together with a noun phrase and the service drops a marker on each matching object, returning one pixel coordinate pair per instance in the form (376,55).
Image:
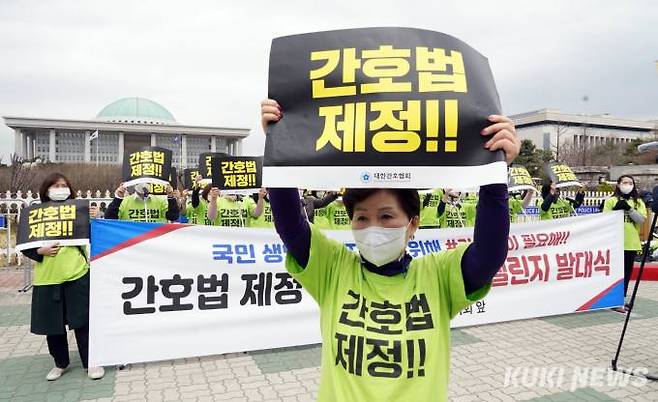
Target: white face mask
(59,193)
(380,245)
(625,188)
(142,190)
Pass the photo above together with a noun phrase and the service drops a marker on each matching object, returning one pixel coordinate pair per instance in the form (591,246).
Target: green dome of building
(136,110)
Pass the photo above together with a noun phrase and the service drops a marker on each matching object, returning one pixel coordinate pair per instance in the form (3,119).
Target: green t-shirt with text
(458,215)
(153,209)
(337,216)
(320,219)
(559,209)
(264,220)
(384,338)
(231,213)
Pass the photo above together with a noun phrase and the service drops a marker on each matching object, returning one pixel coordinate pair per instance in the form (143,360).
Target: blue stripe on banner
(108,233)
(614,297)
(579,210)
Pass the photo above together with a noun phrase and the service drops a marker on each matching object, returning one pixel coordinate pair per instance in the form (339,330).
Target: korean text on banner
(380,107)
(218,290)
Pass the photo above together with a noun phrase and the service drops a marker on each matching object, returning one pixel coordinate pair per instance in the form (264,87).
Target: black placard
(382,104)
(65,222)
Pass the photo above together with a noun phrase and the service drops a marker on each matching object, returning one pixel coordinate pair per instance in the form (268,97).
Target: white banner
(166,291)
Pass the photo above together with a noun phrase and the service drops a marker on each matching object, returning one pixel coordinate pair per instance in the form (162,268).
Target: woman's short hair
(408,199)
(49,181)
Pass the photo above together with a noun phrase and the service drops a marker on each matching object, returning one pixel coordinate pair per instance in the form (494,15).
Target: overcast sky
(207,61)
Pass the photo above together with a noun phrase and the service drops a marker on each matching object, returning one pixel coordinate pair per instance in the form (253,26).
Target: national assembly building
(123,126)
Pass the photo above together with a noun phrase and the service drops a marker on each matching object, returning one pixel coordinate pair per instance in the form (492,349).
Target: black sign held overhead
(519,179)
(561,175)
(205,160)
(147,165)
(189,178)
(65,222)
(235,174)
(380,107)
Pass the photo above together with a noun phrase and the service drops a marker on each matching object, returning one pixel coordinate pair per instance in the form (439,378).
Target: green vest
(632,240)
(153,209)
(68,265)
(429,216)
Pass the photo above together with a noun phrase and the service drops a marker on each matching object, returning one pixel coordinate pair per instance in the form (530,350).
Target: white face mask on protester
(625,188)
(142,190)
(59,193)
(380,245)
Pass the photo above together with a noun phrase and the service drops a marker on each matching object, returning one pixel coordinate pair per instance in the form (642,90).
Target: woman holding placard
(61,290)
(454,211)
(554,206)
(385,316)
(626,198)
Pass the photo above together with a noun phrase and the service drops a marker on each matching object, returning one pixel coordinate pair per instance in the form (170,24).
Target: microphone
(654,203)
(649,146)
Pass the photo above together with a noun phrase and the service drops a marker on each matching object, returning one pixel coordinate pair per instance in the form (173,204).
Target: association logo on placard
(366,177)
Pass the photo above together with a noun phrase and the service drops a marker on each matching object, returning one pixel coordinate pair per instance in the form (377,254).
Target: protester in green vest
(260,212)
(337,215)
(142,206)
(410,347)
(61,290)
(226,210)
(186,209)
(200,201)
(190,214)
(626,199)
(554,206)
(453,212)
(429,208)
(518,202)
(315,203)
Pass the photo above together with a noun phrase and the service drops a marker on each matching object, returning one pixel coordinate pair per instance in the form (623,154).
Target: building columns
(183,151)
(213,144)
(239,147)
(120,150)
(18,142)
(27,146)
(52,146)
(30,147)
(153,140)
(87,155)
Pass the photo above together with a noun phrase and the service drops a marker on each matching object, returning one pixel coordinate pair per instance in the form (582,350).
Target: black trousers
(629,260)
(58,346)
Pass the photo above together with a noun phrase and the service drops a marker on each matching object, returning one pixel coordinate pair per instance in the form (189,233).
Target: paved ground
(538,357)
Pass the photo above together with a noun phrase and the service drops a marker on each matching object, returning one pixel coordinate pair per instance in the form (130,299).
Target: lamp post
(584,139)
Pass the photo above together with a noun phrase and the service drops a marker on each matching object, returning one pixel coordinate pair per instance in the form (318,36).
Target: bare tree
(20,174)
(560,142)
